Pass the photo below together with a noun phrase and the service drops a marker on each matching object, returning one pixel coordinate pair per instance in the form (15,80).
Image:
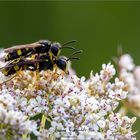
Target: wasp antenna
(69,47)
(76,58)
(77,52)
(71,56)
(69,42)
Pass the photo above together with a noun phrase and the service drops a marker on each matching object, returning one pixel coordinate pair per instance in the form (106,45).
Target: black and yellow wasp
(41,62)
(39,47)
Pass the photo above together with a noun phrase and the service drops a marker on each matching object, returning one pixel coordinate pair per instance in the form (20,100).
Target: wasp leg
(36,83)
(9,79)
(55,74)
(37,77)
(14,75)
(37,73)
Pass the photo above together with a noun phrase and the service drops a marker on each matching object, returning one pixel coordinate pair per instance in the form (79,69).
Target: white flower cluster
(74,108)
(130,75)
(13,123)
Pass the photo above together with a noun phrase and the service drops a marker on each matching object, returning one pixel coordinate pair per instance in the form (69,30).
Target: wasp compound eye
(62,64)
(55,49)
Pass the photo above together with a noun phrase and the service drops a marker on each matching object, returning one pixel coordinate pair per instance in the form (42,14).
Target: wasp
(24,64)
(39,47)
(40,63)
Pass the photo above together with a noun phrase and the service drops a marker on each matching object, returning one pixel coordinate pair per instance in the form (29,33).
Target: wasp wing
(17,47)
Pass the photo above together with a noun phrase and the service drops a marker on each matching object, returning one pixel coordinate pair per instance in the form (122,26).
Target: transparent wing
(16,47)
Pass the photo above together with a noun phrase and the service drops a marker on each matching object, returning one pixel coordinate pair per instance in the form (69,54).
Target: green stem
(43,121)
(24,136)
(123,111)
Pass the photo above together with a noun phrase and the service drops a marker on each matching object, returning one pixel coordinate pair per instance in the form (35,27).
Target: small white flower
(126,62)
(108,72)
(130,74)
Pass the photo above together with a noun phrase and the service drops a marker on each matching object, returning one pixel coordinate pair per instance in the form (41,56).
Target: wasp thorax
(46,44)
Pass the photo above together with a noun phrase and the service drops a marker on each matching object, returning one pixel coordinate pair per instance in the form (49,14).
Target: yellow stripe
(19,52)
(37,66)
(5,72)
(7,57)
(16,68)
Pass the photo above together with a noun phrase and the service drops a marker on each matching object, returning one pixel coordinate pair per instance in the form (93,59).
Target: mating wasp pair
(38,56)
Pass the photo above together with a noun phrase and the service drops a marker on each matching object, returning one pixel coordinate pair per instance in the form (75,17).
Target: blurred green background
(99,28)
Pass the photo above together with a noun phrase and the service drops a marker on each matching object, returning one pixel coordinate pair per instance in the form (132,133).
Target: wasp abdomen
(17,53)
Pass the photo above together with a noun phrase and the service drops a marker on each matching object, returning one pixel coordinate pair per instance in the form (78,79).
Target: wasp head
(62,64)
(55,49)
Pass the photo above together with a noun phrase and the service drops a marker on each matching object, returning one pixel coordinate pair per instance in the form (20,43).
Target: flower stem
(123,111)
(43,121)
(24,136)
